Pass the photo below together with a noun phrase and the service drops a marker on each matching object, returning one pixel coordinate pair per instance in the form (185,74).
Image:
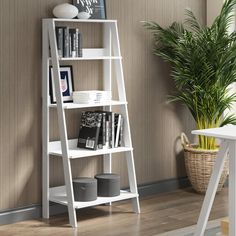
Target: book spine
(66,42)
(107,133)
(59,37)
(112,129)
(104,129)
(80,54)
(118,131)
(72,42)
(70,45)
(121,132)
(97,137)
(77,42)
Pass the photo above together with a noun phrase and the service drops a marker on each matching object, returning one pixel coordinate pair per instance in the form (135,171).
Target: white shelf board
(82,20)
(75,152)
(87,58)
(77,105)
(92,54)
(58,195)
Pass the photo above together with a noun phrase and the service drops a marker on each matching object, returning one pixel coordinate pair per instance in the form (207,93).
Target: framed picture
(96,8)
(67,84)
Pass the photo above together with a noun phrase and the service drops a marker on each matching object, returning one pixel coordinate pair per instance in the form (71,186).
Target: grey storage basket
(108,185)
(85,189)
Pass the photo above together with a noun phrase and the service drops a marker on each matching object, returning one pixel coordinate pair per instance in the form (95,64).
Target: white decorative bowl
(83,15)
(65,10)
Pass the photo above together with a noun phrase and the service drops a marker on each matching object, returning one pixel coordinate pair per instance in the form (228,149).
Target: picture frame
(96,8)
(67,84)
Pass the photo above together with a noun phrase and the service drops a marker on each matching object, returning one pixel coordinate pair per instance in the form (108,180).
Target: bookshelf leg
(135,205)
(45,127)
(45,196)
(69,192)
(132,180)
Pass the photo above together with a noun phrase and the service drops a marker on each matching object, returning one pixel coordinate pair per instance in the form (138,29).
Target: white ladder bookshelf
(67,149)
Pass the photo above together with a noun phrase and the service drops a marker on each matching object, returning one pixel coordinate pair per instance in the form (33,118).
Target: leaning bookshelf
(66,148)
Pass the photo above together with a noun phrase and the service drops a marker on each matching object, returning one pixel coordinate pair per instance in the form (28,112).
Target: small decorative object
(91,96)
(95,8)
(85,189)
(108,185)
(67,85)
(83,15)
(65,10)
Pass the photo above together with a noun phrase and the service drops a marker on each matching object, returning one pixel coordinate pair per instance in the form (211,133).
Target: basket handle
(184,140)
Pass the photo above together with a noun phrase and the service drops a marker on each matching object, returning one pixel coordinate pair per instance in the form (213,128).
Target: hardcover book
(102,132)
(121,140)
(59,37)
(80,43)
(89,130)
(66,43)
(72,42)
(117,129)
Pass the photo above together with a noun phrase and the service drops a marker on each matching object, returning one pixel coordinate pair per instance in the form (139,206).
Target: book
(69,42)
(117,129)
(112,130)
(72,42)
(80,51)
(77,42)
(108,128)
(89,130)
(70,45)
(59,37)
(102,132)
(66,42)
(121,140)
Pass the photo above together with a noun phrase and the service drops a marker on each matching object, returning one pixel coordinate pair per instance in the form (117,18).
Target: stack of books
(92,96)
(100,130)
(69,42)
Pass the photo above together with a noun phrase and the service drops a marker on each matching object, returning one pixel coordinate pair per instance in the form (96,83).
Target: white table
(227,135)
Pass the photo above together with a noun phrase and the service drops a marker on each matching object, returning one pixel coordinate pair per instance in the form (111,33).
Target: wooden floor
(160,213)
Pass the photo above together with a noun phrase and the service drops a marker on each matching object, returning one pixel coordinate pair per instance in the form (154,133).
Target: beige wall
(213,9)
(155,125)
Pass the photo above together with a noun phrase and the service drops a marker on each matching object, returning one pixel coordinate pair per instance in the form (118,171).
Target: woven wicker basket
(199,165)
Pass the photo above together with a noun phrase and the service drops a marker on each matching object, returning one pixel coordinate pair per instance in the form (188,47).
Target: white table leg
(232,189)
(211,189)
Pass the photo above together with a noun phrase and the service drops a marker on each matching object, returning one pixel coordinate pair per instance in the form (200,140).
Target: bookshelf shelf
(58,195)
(84,58)
(81,20)
(75,152)
(79,106)
(91,54)
(67,148)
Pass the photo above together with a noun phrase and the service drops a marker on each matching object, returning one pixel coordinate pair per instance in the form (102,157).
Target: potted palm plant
(203,66)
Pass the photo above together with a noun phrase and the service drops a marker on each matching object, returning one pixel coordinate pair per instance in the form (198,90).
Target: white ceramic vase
(83,15)
(65,10)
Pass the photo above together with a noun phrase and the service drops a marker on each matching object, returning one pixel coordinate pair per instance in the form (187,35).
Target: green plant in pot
(203,66)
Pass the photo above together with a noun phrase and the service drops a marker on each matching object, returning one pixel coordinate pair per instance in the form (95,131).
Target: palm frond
(192,21)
